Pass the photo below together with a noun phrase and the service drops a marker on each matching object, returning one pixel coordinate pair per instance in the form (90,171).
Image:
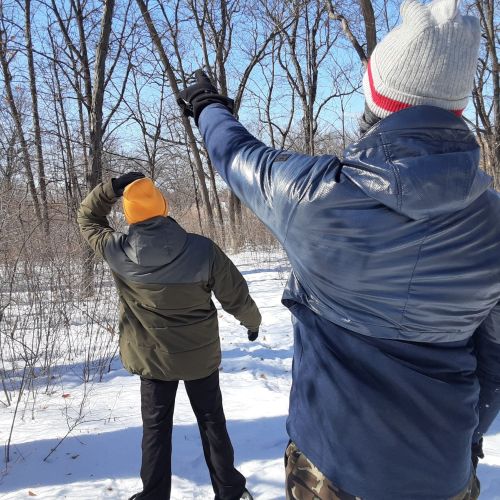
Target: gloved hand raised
(252,335)
(120,183)
(196,97)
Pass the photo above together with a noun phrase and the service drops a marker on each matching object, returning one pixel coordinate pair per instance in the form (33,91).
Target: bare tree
(67,146)
(368,28)
(215,22)
(486,93)
(169,69)
(10,161)
(7,55)
(96,109)
(306,46)
(98,95)
(42,180)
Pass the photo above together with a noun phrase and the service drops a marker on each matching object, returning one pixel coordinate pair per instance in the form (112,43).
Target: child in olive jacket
(168,323)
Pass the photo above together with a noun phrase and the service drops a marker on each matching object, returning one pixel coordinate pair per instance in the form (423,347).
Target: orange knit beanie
(142,200)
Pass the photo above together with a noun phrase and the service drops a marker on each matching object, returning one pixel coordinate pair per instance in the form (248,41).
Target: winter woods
(88,92)
(89,89)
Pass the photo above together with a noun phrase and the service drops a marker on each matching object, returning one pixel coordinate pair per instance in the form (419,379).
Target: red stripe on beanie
(391,105)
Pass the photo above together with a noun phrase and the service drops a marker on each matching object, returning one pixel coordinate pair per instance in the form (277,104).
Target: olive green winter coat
(165,278)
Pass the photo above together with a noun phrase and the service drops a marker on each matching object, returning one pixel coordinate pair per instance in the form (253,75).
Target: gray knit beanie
(430,58)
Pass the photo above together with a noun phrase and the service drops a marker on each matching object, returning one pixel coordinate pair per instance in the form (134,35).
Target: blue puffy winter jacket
(394,292)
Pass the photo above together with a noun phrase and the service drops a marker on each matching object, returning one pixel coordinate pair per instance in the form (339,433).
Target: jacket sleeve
(487,344)
(268,181)
(92,217)
(231,290)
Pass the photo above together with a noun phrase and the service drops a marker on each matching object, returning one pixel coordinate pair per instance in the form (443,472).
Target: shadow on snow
(116,454)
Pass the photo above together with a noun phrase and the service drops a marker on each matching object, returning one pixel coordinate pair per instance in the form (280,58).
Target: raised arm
(231,290)
(92,216)
(270,182)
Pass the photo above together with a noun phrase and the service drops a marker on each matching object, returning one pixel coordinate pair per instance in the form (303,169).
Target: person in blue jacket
(395,284)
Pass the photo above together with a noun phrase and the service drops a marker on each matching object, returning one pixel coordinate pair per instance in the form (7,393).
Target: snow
(100,458)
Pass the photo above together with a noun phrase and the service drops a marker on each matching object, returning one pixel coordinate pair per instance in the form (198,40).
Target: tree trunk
(218,206)
(36,119)
(370,26)
(19,127)
(96,131)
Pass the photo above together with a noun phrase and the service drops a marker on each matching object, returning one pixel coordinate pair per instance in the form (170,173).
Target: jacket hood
(155,242)
(421,162)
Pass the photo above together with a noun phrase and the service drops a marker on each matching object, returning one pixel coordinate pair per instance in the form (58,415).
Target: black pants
(157,407)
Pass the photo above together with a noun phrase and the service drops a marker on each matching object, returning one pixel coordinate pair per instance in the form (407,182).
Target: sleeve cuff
(107,188)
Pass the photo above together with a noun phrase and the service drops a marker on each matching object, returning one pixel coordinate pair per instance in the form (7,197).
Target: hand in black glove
(477,452)
(252,335)
(124,180)
(196,97)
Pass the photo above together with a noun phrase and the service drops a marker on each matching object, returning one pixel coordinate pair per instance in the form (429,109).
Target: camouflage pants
(305,482)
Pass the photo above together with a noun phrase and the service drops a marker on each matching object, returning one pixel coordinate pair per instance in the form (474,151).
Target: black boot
(246,495)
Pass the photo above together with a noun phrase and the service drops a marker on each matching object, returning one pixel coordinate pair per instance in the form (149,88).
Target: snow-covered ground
(100,458)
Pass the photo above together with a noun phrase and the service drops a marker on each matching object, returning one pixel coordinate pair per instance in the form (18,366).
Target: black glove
(196,97)
(477,452)
(124,180)
(253,334)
